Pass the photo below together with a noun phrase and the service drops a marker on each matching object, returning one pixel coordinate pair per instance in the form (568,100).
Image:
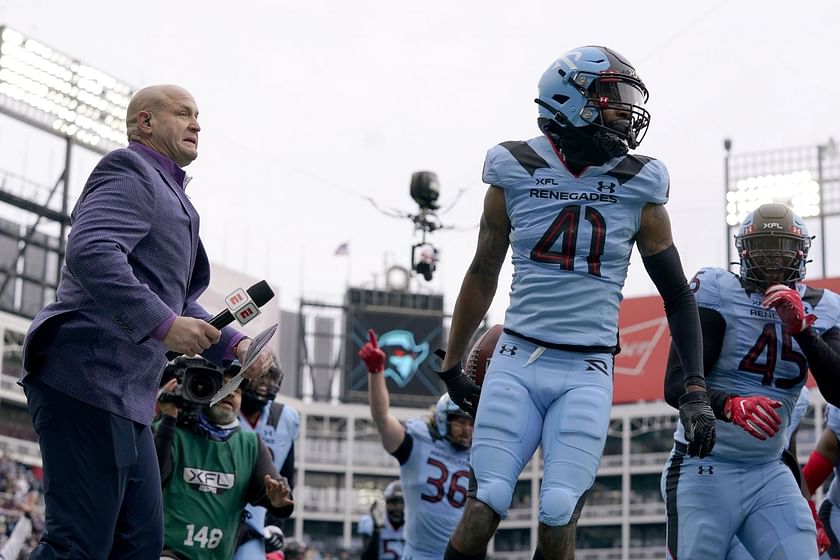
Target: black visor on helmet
(618,90)
(775,245)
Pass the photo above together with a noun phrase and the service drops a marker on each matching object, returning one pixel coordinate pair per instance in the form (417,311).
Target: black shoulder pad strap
(526,156)
(274,413)
(813,295)
(628,168)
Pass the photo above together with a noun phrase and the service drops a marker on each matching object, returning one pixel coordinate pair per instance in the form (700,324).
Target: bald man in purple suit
(134,268)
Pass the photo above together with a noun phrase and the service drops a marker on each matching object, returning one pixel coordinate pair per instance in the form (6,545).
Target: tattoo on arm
(655,231)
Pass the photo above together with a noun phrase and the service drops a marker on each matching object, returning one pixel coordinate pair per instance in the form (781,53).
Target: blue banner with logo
(408,340)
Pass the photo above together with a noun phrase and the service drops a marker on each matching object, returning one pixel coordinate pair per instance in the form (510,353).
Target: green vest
(203,501)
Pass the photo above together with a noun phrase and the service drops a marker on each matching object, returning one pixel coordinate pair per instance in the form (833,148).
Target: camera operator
(210,468)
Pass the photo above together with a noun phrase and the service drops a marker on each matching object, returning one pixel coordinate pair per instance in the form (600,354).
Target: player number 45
(764,354)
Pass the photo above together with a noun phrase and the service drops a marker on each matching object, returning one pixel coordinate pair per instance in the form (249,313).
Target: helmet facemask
(463,440)
(394,504)
(395,508)
(773,245)
(771,258)
(616,109)
(446,413)
(256,393)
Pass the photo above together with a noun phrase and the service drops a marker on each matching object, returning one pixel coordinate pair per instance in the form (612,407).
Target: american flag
(343,249)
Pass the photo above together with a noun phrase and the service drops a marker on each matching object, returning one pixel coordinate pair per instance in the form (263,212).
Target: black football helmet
(773,244)
(257,392)
(394,503)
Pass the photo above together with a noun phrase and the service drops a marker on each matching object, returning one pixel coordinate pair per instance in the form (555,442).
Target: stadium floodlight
(806,178)
(798,189)
(61,94)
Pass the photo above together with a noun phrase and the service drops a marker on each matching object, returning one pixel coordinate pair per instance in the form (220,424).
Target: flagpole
(347,279)
(343,250)
(302,269)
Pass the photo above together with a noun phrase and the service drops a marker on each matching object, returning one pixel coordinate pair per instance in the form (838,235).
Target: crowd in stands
(20,495)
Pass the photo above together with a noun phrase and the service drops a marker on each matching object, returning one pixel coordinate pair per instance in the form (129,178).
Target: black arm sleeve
(665,269)
(256,486)
(370,550)
(403,452)
(823,354)
(713,327)
(164,434)
(288,468)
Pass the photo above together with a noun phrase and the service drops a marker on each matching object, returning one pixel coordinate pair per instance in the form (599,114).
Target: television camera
(198,381)
(425,190)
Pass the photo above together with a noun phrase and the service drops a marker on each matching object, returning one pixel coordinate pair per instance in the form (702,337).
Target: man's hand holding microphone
(191,336)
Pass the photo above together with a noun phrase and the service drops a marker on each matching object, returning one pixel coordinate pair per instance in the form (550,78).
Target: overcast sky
(309,107)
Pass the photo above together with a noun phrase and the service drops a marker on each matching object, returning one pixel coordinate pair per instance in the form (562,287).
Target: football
(479,357)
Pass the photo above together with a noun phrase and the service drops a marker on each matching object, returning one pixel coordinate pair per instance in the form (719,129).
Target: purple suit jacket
(133,258)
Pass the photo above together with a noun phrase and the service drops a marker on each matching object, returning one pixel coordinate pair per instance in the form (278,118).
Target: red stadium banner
(645,339)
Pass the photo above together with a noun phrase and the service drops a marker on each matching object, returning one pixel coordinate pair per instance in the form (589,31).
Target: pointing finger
(372,335)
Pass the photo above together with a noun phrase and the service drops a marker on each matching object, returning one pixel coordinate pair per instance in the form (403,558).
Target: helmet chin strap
(579,148)
(611,143)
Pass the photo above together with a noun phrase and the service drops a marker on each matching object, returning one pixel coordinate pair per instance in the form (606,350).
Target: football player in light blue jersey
(278,426)
(762,330)
(570,204)
(824,459)
(789,454)
(384,539)
(799,411)
(434,461)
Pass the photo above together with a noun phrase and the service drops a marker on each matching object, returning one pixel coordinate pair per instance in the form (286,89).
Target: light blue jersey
(434,481)
(799,410)
(278,439)
(744,489)
(757,357)
(737,551)
(832,422)
(829,511)
(571,238)
(391,540)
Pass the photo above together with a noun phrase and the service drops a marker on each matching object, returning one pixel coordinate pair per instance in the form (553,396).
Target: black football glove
(699,422)
(462,390)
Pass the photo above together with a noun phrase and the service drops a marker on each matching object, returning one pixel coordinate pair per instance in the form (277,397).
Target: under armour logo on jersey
(598,365)
(609,187)
(506,350)
(706,470)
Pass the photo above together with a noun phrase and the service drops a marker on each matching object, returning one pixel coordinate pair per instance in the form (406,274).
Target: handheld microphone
(241,306)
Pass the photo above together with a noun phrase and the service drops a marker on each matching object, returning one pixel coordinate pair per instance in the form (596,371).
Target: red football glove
(372,355)
(788,305)
(754,414)
(823,542)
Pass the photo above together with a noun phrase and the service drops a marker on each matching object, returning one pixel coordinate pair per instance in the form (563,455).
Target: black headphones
(148,121)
